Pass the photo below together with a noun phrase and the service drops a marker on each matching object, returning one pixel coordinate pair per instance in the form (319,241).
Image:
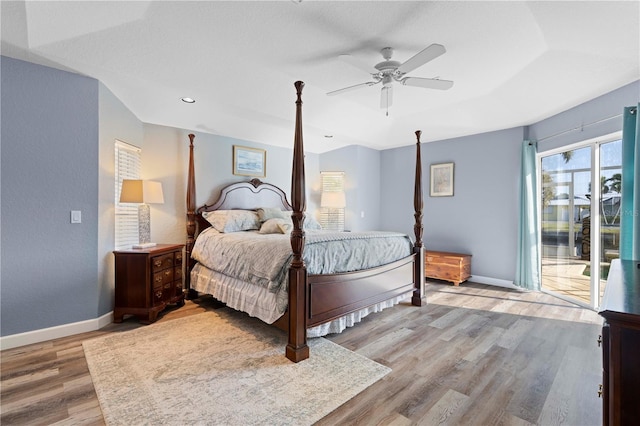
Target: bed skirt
(259,302)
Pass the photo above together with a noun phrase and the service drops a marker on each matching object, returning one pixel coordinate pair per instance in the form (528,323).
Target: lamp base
(143,246)
(144,226)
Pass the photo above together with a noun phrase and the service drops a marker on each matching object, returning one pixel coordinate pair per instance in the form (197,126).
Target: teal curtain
(630,208)
(528,257)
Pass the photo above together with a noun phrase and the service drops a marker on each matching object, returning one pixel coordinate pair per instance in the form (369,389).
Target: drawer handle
(167,273)
(600,342)
(599,391)
(159,294)
(158,279)
(157,263)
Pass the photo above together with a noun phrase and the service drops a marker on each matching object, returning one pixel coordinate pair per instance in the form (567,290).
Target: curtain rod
(583,126)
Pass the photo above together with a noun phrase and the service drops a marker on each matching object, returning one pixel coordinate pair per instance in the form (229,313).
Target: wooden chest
(442,265)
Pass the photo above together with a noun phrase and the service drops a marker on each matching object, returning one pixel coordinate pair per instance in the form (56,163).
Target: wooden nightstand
(147,280)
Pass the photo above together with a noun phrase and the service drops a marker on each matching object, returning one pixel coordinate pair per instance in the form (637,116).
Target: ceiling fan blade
(357,63)
(386,97)
(350,88)
(427,83)
(421,58)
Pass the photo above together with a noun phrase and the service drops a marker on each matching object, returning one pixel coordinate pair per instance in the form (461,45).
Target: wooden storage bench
(442,265)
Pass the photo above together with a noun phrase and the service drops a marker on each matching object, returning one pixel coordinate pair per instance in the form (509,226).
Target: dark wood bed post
(418,249)
(297,349)
(191,220)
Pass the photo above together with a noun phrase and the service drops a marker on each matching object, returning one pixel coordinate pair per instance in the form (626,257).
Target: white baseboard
(37,336)
(493,281)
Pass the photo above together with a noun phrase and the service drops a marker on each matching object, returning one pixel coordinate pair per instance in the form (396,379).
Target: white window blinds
(128,164)
(332,218)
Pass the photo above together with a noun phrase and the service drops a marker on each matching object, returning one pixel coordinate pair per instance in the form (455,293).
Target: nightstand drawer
(159,263)
(162,277)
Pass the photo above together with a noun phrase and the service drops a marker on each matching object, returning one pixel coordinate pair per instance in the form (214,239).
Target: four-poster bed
(312,299)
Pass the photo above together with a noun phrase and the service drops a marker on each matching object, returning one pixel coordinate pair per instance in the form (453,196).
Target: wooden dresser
(443,265)
(621,344)
(147,280)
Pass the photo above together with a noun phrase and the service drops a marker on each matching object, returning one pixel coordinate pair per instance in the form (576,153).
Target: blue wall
(49,167)
(115,122)
(213,164)
(362,184)
(598,117)
(481,217)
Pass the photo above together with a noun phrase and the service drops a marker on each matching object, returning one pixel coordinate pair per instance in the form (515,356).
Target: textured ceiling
(513,63)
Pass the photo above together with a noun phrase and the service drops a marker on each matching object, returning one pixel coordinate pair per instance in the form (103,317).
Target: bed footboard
(335,295)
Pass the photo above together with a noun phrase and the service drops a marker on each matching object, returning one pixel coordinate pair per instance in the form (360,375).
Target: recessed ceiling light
(328,136)
(188,100)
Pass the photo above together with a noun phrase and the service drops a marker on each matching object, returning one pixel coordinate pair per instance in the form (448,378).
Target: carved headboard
(250,195)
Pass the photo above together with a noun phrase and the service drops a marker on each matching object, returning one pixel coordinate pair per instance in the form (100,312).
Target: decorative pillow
(284,226)
(232,220)
(266,213)
(276,226)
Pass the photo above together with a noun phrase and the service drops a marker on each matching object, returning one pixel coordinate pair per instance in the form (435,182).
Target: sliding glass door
(580,221)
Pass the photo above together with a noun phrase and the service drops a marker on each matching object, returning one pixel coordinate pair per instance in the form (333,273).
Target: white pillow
(232,220)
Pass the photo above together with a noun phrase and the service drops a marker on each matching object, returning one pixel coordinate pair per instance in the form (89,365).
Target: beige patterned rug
(220,367)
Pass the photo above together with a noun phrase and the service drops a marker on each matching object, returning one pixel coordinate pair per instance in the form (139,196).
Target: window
(333,201)
(128,163)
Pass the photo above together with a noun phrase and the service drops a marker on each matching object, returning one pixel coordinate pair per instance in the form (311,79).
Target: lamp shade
(333,200)
(141,191)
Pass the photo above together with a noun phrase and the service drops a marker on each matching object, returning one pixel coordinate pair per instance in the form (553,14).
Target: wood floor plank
(442,410)
(474,355)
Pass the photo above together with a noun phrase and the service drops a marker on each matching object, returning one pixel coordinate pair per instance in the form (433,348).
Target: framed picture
(249,161)
(441,180)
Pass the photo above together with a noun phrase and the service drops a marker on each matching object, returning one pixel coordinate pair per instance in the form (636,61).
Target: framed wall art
(441,180)
(249,161)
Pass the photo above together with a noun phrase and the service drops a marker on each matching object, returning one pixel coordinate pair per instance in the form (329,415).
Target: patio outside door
(580,221)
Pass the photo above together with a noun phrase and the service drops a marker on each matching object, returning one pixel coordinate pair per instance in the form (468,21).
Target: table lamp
(142,192)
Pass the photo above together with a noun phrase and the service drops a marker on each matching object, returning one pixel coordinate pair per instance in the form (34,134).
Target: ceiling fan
(388,71)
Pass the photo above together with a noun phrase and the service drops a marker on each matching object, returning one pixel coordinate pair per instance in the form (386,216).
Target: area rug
(220,367)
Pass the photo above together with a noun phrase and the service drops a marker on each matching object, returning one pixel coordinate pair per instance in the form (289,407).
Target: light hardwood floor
(474,355)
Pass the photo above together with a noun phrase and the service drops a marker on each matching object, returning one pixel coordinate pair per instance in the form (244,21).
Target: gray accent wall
(49,167)
(481,218)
